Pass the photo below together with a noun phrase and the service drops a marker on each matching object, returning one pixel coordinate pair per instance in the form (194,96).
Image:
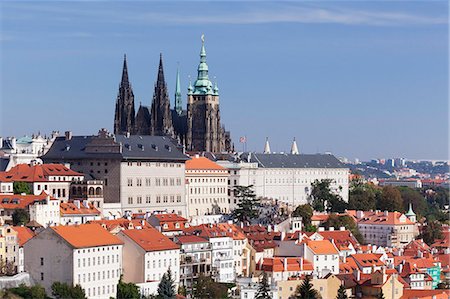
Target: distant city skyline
(360,80)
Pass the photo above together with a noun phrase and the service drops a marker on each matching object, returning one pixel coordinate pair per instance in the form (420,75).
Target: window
(148,182)
(158,198)
(158,182)
(165,198)
(178,181)
(42,276)
(129,182)
(139,199)
(165,182)
(148,199)
(139,182)
(42,261)
(130,200)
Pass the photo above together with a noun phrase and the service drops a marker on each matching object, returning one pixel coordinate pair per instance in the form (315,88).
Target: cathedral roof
(132,147)
(293,161)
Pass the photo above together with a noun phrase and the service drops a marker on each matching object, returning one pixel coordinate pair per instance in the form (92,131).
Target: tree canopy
(346,221)
(390,200)
(25,292)
(206,288)
(61,290)
(127,290)
(263,289)
(247,206)
(323,198)
(166,287)
(20,217)
(21,187)
(362,196)
(305,211)
(306,290)
(341,293)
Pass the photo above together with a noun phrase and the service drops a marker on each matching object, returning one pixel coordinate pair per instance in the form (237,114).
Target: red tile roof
(342,239)
(425,294)
(322,247)
(190,239)
(110,225)
(366,259)
(150,239)
(24,234)
(202,163)
(379,218)
(17,201)
(86,235)
(69,208)
(38,173)
(276,264)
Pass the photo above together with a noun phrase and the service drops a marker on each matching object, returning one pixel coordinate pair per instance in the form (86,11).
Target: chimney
(68,135)
(285,264)
(419,254)
(128,134)
(374,248)
(283,235)
(269,228)
(386,213)
(357,275)
(400,268)
(331,229)
(359,214)
(342,228)
(86,204)
(321,229)
(77,203)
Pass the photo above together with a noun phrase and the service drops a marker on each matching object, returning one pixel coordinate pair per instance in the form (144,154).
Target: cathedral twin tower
(198,127)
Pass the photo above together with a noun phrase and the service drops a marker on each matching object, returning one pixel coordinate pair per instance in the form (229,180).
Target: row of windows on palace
(299,181)
(158,182)
(210,200)
(148,199)
(204,190)
(130,163)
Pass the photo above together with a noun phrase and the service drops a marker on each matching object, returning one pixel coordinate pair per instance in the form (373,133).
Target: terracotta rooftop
(202,163)
(86,235)
(366,259)
(322,247)
(122,223)
(38,173)
(380,218)
(190,239)
(24,234)
(150,239)
(70,208)
(18,201)
(277,264)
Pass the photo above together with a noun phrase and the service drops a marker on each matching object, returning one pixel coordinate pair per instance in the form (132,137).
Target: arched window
(98,191)
(91,190)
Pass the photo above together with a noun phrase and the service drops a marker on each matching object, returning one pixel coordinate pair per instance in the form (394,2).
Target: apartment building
(142,173)
(84,254)
(323,255)
(206,187)
(147,255)
(168,224)
(391,229)
(78,212)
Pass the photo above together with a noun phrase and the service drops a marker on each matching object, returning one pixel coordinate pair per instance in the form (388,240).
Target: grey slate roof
(293,161)
(133,147)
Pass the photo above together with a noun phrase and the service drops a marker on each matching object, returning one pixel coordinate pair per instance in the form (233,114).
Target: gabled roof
(169,217)
(24,234)
(150,239)
(17,201)
(190,239)
(322,247)
(342,239)
(86,235)
(277,264)
(425,294)
(123,223)
(366,259)
(69,209)
(202,163)
(38,172)
(379,218)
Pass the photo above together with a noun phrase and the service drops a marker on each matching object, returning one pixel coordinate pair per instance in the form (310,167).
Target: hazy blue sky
(360,79)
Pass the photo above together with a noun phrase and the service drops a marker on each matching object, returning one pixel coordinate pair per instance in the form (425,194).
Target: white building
(142,173)
(391,229)
(23,150)
(323,255)
(147,256)
(78,212)
(287,177)
(85,254)
(207,187)
(46,211)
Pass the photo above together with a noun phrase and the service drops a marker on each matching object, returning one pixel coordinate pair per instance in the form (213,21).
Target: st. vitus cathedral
(198,127)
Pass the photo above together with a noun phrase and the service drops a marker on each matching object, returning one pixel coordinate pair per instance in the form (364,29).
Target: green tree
(263,289)
(380,294)
(206,288)
(346,221)
(20,217)
(248,204)
(166,287)
(21,187)
(305,211)
(431,232)
(361,196)
(323,198)
(61,290)
(25,292)
(341,293)
(182,290)
(127,290)
(390,200)
(417,200)
(306,290)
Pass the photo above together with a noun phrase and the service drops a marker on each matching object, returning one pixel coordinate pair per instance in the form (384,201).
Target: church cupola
(410,214)
(294,148)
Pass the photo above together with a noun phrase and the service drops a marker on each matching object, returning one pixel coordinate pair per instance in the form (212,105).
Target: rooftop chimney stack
(68,135)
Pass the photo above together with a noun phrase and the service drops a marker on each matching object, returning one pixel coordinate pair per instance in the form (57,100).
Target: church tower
(161,116)
(124,116)
(204,130)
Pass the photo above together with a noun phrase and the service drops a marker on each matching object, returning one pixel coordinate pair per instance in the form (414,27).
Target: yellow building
(327,286)
(381,281)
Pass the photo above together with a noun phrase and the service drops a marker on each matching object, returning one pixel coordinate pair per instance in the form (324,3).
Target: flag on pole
(243,139)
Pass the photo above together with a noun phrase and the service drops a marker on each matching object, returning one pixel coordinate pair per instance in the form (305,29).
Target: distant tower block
(294,148)
(267,146)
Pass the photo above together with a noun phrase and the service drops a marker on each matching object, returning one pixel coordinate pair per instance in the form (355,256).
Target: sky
(359,79)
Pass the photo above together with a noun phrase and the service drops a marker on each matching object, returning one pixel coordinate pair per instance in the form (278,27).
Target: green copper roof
(178,101)
(203,85)
(410,212)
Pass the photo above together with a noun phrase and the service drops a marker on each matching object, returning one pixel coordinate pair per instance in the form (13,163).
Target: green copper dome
(410,212)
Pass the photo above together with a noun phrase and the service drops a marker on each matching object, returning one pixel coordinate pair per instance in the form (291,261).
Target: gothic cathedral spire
(178,100)
(161,117)
(124,120)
